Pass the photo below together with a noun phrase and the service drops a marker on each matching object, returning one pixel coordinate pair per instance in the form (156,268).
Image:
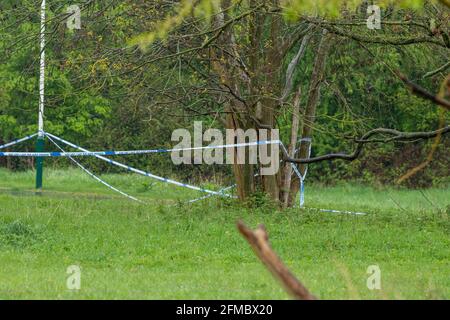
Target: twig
(429,158)
(440,69)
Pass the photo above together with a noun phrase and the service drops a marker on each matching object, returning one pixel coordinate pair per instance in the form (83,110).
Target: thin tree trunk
(309,116)
(291,148)
(226,69)
(243,173)
(271,75)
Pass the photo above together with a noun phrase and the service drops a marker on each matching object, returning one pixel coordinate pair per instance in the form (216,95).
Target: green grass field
(166,249)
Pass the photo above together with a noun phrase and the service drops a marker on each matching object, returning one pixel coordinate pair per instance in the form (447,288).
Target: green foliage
(71,108)
(104,98)
(294,9)
(16,234)
(203,9)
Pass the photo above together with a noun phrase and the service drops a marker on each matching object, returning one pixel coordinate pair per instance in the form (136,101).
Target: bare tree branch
(415,88)
(398,41)
(395,135)
(423,93)
(291,148)
(291,68)
(445,3)
(440,69)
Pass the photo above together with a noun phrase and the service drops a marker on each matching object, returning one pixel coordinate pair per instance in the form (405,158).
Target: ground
(166,249)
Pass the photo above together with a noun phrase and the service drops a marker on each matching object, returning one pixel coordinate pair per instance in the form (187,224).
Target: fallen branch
(259,241)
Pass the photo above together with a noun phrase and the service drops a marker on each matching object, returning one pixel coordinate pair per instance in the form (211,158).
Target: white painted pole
(42,73)
(40,140)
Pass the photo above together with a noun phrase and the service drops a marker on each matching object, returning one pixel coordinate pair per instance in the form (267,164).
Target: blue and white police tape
(132,152)
(100,153)
(138,171)
(309,140)
(302,194)
(12,143)
(300,177)
(339,211)
(95,177)
(210,195)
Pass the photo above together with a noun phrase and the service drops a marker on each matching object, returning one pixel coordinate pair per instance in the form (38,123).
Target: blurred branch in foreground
(259,241)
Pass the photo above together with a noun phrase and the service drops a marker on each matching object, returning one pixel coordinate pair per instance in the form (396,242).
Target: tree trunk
(291,148)
(270,74)
(270,183)
(243,173)
(309,114)
(225,67)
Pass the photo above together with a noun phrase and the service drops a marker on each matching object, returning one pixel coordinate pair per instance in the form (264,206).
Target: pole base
(40,145)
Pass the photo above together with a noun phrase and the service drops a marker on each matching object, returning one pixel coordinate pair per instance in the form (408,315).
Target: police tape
(12,143)
(210,195)
(100,155)
(95,177)
(133,152)
(138,171)
(299,175)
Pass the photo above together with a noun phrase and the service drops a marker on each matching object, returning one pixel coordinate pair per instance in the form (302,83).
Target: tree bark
(243,173)
(291,148)
(309,115)
(271,88)
(230,76)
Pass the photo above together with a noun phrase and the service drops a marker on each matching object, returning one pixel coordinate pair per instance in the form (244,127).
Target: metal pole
(40,140)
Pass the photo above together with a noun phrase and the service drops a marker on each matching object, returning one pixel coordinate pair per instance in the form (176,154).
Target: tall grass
(174,250)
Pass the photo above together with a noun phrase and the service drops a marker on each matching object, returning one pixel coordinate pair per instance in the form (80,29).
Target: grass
(165,249)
